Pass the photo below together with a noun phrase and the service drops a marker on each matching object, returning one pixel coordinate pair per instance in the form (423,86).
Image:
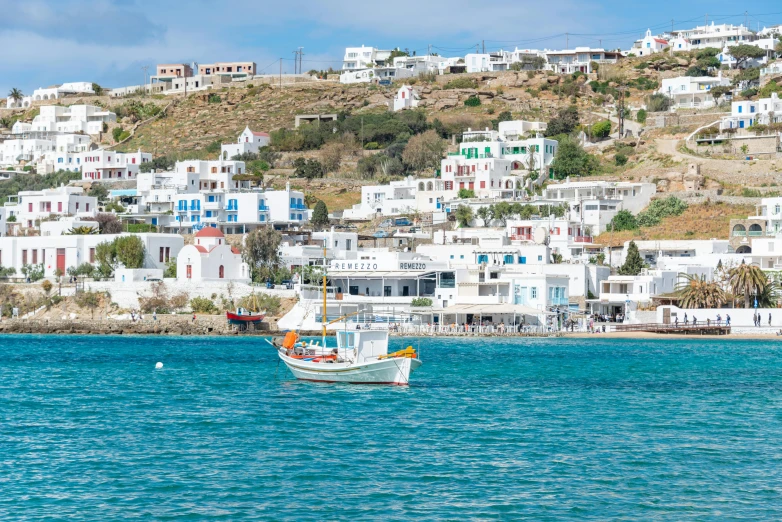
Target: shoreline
(218,328)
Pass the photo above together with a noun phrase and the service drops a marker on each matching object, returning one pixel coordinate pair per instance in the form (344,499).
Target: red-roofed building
(248,141)
(210,258)
(649,45)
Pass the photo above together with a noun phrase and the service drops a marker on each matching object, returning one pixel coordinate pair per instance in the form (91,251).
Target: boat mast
(323,318)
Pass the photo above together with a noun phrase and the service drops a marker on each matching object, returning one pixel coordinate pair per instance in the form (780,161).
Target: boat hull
(394,371)
(243,319)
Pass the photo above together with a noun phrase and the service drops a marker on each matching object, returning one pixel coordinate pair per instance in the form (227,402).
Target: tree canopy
(564,122)
(743,53)
(572,160)
(262,252)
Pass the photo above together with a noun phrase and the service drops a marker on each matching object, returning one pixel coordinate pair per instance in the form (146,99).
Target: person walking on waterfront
(154,315)
(686,321)
(727,319)
(769,318)
(694,321)
(194,317)
(676,322)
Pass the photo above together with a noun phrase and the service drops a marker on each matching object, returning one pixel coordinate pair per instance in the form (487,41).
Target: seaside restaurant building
(381,289)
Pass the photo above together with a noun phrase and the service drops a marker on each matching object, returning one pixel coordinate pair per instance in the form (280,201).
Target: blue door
(521,295)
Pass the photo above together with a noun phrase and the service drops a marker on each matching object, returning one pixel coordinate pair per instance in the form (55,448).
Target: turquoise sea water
(491,429)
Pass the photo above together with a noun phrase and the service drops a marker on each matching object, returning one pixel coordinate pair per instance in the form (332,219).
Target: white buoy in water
(158,365)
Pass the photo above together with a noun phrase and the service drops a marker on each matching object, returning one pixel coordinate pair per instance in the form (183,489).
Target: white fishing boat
(360,357)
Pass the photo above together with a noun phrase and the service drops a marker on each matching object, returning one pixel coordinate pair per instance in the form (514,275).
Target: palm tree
(82,231)
(15,94)
(747,280)
(696,292)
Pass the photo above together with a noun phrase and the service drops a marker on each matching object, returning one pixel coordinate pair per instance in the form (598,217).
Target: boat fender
(290,340)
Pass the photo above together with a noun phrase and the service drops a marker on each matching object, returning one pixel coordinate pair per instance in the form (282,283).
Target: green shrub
(214,98)
(472,101)
(660,209)
(623,220)
(372,145)
(421,301)
(620,159)
(601,129)
(466,193)
(116,132)
(202,305)
(462,83)
(641,116)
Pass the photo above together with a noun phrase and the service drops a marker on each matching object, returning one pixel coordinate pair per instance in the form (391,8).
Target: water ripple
(540,429)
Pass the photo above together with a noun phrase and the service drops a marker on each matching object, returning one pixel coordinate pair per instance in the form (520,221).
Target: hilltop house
(248,141)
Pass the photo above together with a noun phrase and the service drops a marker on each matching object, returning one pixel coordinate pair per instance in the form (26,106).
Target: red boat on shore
(244,317)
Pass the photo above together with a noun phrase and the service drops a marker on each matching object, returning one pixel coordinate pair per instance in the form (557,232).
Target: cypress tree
(633,263)
(320,215)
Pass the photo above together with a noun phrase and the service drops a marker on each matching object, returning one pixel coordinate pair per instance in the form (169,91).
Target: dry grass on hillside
(704,221)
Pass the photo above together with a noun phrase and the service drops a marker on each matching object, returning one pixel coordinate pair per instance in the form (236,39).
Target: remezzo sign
(353,266)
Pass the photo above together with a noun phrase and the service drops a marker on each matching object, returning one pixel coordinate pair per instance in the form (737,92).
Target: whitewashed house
(51,93)
(66,251)
(406,98)
(690,92)
(87,119)
(718,36)
(210,258)
(746,113)
(109,165)
(579,59)
(29,206)
(248,142)
(357,58)
(595,203)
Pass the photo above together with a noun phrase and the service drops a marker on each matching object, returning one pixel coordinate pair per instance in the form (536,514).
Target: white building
(47,151)
(376,75)
(579,59)
(717,36)
(238,212)
(75,118)
(248,142)
(690,92)
(746,113)
(109,165)
(501,60)
(51,93)
(66,251)
(357,58)
(595,203)
(385,200)
(649,45)
(211,259)
(406,98)
(620,296)
(29,206)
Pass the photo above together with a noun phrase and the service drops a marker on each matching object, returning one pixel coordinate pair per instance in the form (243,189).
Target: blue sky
(46,42)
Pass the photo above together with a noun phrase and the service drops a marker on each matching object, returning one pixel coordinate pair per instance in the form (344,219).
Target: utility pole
(477,46)
(567,40)
(280,73)
(295,61)
(746,20)
(301,54)
(145,68)
(483,44)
